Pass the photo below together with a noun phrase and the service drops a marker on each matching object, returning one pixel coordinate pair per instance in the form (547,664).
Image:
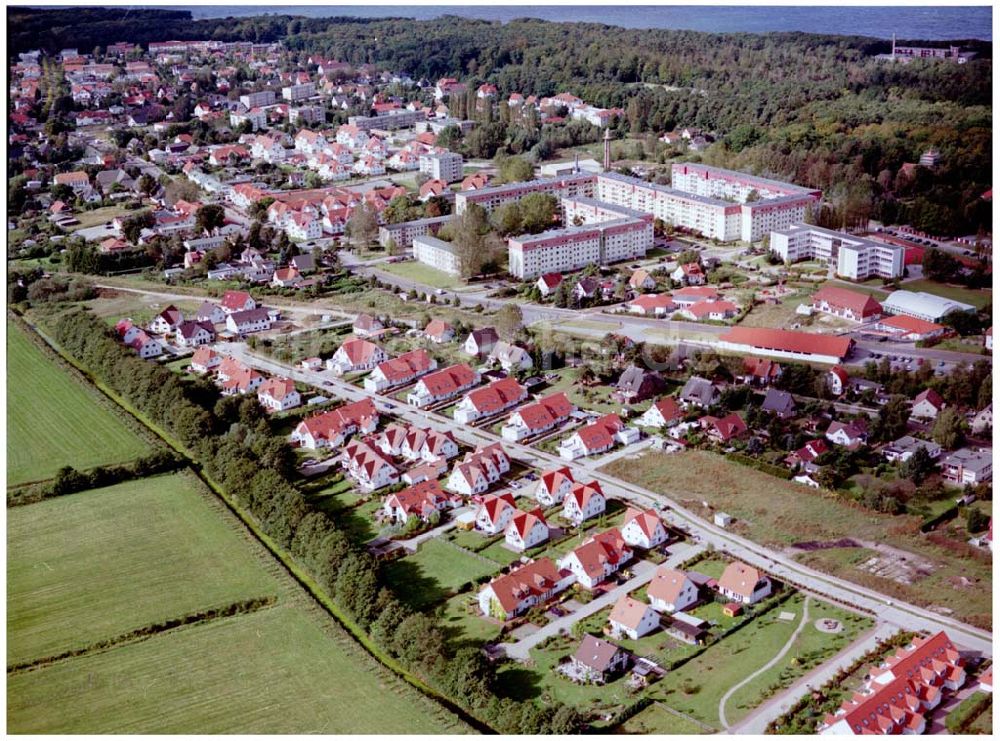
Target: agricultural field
(781,513)
(272,671)
(100,563)
(53,420)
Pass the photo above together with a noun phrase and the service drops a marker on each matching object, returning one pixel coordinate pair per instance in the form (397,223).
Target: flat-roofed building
(404,232)
(855,258)
(445,166)
(572,248)
(436,253)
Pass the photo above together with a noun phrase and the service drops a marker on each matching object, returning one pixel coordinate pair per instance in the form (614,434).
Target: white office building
(437,253)
(855,258)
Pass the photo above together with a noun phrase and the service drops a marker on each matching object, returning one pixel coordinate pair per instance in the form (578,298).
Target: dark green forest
(815,109)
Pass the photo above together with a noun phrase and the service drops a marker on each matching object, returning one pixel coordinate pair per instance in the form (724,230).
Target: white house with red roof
(652,304)
(204,360)
(278,394)
(910,328)
(400,371)
(745,584)
(837,379)
(709,310)
(723,429)
(479,470)
(233,301)
(583,502)
(927,404)
(597,437)
(691,295)
(689,274)
(127,331)
(242,381)
(495,513)
(846,304)
(534,583)
(849,434)
(167,320)
(664,412)
(548,282)
(538,417)
(356,355)
(426,444)
(526,530)
(147,347)
(420,500)
(439,332)
(330,429)
(489,400)
(632,618)
(597,558)
(442,385)
(368,467)
(671,590)
(808,453)
(553,486)
(643,528)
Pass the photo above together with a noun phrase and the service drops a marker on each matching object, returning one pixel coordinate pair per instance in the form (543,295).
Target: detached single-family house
(548,283)
(204,360)
(742,583)
(439,332)
(495,513)
(638,384)
(671,590)
(356,355)
(848,434)
(583,502)
(278,394)
(553,486)
(538,417)
(249,321)
(663,413)
(597,558)
(511,357)
(643,528)
(366,325)
(837,379)
(167,320)
(526,530)
(480,342)
(597,437)
(597,660)
(632,618)
(779,403)
(210,312)
(902,450)
(536,582)
(233,301)
(927,404)
(194,334)
(698,392)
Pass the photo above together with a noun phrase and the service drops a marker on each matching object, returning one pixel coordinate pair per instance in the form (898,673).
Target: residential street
(643,570)
(901,614)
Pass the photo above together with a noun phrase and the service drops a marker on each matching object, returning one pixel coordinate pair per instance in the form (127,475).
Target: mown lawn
(420,273)
(98,564)
(55,421)
(978,298)
(275,671)
(433,572)
(657,720)
(461,619)
(779,513)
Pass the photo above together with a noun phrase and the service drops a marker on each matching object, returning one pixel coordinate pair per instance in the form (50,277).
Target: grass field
(434,571)
(54,421)
(957,293)
(420,273)
(779,513)
(98,216)
(656,719)
(273,671)
(100,563)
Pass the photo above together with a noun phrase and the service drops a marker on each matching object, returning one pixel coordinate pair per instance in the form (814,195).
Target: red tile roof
(787,341)
(860,304)
(533,579)
(546,411)
(449,380)
(497,396)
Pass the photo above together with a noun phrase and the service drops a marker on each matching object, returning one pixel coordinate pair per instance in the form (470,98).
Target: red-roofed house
(439,331)
(710,310)
(420,500)
(671,590)
(167,320)
(725,428)
(597,437)
(278,394)
(400,371)
(632,618)
(583,502)
(652,304)
(233,301)
(845,303)
(597,558)
(553,486)
(479,470)
(489,400)
(511,594)
(663,413)
(689,274)
(495,513)
(760,371)
(443,384)
(330,429)
(538,417)
(837,379)
(356,355)
(547,282)
(205,359)
(368,467)
(927,404)
(744,584)
(643,528)
(910,328)
(526,530)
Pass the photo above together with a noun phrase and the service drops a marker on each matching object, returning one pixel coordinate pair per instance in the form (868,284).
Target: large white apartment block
(854,258)
(572,248)
(446,166)
(404,232)
(295,93)
(389,121)
(437,253)
(258,99)
(569,186)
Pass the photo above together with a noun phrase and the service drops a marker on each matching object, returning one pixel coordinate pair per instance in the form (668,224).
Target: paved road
(901,614)
(644,571)
(778,657)
(759,718)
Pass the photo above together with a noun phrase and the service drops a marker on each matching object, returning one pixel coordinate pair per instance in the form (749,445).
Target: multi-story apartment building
(258,99)
(404,232)
(569,186)
(575,247)
(389,121)
(446,166)
(855,258)
(302,91)
(307,114)
(437,253)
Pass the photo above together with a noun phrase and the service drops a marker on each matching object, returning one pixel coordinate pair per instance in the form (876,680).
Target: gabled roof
(496,396)
(406,366)
(546,411)
(668,408)
(861,304)
(596,654)
(448,380)
(276,388)
(359,351)
(739,578)
(667,584)
(524,522)
(930,396)
(629,612)
(647,520)
(533,579)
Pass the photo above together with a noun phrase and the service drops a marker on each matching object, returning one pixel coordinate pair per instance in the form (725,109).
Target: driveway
(644,571)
